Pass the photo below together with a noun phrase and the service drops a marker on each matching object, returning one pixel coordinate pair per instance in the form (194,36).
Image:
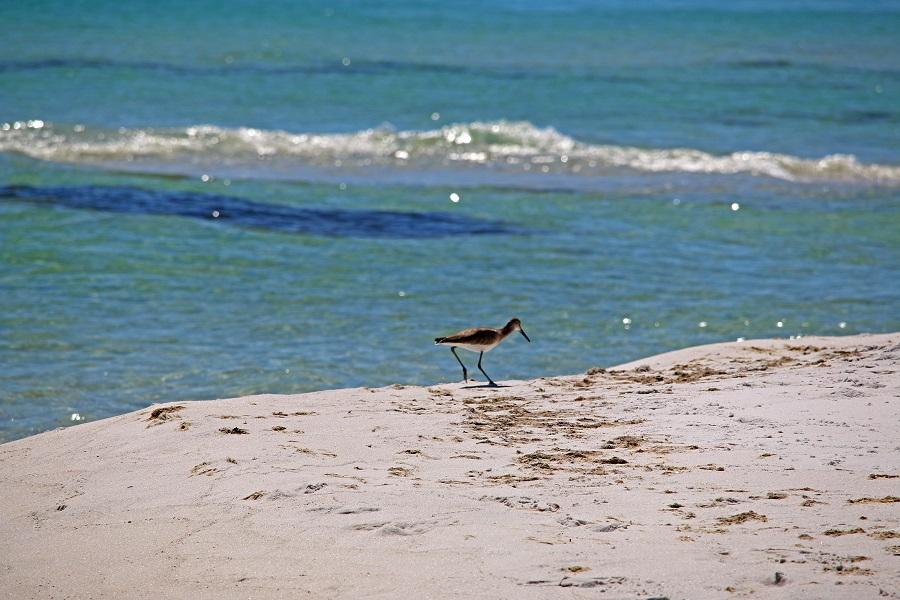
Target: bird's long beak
(522,331)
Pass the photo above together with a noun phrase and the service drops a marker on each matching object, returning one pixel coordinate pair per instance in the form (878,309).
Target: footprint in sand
(163,414)
(233,430)
(369,526)
(570,521)
(523,502)
(279,495)
(354,510)
(590,582)
(307,489)
(743,517)
(406,528)
(400,528)
(578,581)
(203,468)
(400,471)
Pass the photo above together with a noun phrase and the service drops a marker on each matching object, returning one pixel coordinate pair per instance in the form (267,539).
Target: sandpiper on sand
(479,339)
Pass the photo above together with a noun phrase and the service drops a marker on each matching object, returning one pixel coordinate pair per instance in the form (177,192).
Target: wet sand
(765,469)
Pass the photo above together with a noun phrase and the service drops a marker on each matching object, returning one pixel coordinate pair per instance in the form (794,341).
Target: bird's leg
(465,374)
(482,370)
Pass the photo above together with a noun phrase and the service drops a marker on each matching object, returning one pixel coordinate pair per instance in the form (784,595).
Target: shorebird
(479,339)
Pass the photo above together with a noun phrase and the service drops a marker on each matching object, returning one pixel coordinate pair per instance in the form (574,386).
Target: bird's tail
(439,340)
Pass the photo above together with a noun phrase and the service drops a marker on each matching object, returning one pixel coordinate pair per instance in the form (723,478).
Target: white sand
(743,461)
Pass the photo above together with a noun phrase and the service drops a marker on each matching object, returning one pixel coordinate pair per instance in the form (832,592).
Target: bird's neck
(507,329)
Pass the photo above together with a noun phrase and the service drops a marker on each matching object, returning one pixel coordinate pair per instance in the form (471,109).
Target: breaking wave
(496,147)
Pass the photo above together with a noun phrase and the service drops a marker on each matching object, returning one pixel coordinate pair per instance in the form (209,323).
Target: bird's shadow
(484,385)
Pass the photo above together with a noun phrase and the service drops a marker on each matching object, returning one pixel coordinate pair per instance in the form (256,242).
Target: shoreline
(735,469)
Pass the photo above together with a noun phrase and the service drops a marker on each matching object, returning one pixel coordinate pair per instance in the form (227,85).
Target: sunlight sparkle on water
(735,206)
(454,197)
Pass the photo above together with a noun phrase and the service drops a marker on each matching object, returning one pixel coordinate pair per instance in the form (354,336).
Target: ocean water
(210,199)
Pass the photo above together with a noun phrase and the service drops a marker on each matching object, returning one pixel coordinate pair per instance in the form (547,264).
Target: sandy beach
(764,469)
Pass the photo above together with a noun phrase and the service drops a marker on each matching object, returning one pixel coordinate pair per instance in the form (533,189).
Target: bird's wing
(472,335)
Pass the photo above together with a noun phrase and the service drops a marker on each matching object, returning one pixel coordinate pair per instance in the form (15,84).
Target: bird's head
(516,325)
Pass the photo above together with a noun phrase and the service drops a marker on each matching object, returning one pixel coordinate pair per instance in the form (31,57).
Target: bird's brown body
(481,338)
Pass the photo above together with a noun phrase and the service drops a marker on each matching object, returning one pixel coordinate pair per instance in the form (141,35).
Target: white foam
(502,146)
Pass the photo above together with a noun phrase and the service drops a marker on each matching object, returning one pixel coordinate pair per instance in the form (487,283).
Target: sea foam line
(505,146)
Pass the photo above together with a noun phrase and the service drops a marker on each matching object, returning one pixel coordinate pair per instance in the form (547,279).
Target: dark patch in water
(850,116)
(763,63)
(867,116)
(776,64)
(362,67)
(359,67)
(248,214)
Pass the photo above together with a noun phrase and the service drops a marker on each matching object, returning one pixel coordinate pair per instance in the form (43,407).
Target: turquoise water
(216,199)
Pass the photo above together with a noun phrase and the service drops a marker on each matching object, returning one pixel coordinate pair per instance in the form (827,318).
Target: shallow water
(626,181)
